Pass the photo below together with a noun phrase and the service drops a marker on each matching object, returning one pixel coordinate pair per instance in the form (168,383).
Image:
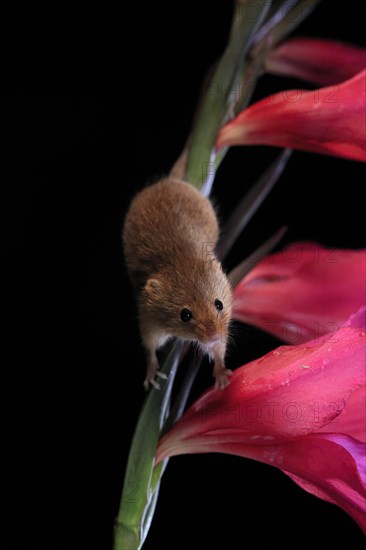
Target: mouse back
(167,221)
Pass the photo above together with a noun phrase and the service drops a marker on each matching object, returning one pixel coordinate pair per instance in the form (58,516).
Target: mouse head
(191,301)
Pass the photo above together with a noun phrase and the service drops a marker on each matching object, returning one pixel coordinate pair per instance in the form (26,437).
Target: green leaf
(241,270)
(281,23)
(250,203)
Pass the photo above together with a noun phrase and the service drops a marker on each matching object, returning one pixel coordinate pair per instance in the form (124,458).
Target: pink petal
(323,62)
(276,409)
(328,120)
(358,319)
(302,292)
(290,392)
(328,466)
(352,420)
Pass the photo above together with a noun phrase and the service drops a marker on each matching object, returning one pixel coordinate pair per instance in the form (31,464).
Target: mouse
(169,237)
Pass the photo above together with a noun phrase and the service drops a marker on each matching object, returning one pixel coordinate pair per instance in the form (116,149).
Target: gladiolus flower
(291,409)
(329,120)
(302,292)
(322,62)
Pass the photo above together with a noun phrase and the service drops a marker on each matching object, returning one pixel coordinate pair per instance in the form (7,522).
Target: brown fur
(169,237)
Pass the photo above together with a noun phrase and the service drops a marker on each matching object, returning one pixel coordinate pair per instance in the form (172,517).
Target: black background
(101,102)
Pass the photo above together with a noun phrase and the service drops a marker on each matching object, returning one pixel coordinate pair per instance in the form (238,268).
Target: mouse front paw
(222,378)
(151,379)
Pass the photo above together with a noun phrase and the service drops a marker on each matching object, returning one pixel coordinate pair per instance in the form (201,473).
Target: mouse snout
(208,331)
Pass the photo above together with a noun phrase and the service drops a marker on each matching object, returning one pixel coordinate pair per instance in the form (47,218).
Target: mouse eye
(218,305)
(186,315)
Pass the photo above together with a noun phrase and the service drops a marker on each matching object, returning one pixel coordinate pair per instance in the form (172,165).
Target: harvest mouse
(169,235)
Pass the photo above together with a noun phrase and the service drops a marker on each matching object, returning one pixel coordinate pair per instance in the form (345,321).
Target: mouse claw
(152,382)
(160,374)
(155,384)
(222,378)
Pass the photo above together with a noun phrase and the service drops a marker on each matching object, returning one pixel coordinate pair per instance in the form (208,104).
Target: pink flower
(328,120)
(323,62)
(302,292)
(293,409)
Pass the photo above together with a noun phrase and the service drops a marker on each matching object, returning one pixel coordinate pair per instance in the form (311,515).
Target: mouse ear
(153,287)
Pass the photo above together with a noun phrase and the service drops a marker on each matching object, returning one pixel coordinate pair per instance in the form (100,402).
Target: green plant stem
(215,106)
(137,495)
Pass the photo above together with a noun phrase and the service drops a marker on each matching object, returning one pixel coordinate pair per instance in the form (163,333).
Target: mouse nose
(208,331)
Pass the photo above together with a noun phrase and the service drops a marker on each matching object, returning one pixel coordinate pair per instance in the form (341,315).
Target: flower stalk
(137,497)
(215,106)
